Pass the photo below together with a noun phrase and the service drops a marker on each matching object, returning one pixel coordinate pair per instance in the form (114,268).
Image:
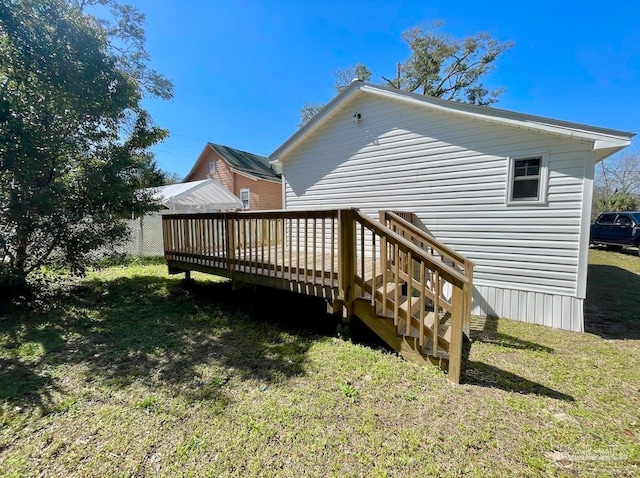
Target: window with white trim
(527,178)
(244,197)
(212,168)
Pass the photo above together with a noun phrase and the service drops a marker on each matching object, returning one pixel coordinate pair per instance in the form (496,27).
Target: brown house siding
(223,174)
(262,194)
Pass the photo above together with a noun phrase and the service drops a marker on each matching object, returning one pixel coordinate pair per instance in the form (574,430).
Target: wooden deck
(412,291)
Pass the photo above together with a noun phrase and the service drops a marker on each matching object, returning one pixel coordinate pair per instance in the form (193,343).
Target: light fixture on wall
(357,117)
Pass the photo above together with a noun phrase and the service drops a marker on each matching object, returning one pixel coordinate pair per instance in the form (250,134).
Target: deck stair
(411,290)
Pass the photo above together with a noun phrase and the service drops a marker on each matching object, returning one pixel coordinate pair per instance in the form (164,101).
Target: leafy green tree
(438,65)
(616,202)
(152,175)
(74,138)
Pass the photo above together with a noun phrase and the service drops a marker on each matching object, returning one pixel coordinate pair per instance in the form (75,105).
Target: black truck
(616,230)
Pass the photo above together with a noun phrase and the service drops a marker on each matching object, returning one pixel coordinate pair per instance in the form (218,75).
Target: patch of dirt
(595,322)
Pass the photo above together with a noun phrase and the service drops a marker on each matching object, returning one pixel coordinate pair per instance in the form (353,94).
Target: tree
(617,183)
(438,65)
(151,175)
(73,134)
(308,111)
(343,78)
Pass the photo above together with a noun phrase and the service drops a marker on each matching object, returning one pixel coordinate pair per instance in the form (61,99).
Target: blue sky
(243,69)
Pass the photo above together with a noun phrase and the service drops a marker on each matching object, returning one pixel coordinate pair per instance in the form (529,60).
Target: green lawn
(129,374)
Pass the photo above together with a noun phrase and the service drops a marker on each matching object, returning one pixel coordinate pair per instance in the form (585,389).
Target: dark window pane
(527,167)
(607,219)
(527,189)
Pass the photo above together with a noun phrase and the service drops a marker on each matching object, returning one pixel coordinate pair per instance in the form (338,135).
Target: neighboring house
(248,176)
(510,191)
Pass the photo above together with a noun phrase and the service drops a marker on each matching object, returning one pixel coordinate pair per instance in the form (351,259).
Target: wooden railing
(421,285)
(286,245)
(418,290)
(401,223)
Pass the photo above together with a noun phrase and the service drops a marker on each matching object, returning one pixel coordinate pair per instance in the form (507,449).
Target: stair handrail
(460,288)
(448,272)
(439,247)
(445,252)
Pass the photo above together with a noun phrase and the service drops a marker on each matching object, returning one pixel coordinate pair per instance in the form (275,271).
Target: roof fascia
(251,176)
(197,163)
(314,123)
(242,173)
(599,136)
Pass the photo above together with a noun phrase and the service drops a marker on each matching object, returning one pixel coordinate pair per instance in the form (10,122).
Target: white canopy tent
(192,197)
(196,196)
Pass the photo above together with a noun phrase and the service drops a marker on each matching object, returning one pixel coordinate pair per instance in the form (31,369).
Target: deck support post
(231,244)
(468,301)
(457,324)
(347,260)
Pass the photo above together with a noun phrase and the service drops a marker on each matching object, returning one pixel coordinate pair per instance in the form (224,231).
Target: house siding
(263,195)
(452,172)
(223,174)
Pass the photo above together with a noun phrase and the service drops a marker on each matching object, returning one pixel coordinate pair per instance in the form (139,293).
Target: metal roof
(249,163)
(604,139)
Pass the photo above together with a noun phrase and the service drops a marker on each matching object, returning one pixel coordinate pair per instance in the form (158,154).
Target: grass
(127,373)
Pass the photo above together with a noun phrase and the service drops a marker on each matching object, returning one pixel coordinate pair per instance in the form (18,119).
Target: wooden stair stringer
(444,340)
(407,346)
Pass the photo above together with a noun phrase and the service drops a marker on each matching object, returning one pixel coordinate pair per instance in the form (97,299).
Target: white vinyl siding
(453,173)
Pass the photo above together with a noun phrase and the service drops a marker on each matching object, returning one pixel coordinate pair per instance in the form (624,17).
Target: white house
(510,191)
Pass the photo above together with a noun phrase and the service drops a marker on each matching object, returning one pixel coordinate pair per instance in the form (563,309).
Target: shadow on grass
(484,375)
(485,330)
(612,307)
(151,329)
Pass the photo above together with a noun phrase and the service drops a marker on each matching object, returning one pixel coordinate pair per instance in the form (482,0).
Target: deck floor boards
(255,261)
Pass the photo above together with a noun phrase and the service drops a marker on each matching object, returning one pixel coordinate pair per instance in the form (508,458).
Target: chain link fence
(145,238)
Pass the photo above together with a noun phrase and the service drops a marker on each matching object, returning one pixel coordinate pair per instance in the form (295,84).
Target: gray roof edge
(502,113)
(268,170)
(495,114)
(317,118)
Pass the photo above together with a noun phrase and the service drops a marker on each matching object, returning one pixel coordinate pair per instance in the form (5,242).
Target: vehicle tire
(612,247)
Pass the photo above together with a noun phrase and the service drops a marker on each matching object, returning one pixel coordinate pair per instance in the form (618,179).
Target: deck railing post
(165,236)
(468,299)
(347,258)
(231,244)
(455,345)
